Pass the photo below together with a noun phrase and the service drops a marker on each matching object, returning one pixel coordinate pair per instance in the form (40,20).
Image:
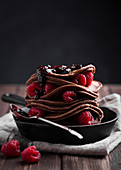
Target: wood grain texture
(5,89)
(103,91)
(115,158)
(50,161)
(85,162)
(114,88)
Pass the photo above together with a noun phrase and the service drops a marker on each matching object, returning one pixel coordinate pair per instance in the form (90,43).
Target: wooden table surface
(50,161)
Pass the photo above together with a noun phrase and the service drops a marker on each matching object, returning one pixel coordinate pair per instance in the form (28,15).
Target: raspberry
(34,111)
(89,78)
(85,118)
(49,87)
(33,89)
(69,96)
(80,79)
(30,154)
(11,148)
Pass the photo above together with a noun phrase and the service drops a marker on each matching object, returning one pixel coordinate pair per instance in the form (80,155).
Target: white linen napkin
(8,131)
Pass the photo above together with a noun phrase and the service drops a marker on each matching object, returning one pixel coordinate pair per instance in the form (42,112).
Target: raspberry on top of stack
(65,94)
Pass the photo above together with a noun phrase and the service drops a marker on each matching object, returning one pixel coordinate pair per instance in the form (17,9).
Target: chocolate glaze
(75,72)
(72,74)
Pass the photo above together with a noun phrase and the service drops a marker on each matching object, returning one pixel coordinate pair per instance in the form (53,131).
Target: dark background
(59,32)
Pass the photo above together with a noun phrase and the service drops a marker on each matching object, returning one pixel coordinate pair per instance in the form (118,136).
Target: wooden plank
(5,89)
(115,158)
(14,89)
(115,88)
(20,90)
(84,162)
(46,162)
(104,91)
(109,89)
(50,161)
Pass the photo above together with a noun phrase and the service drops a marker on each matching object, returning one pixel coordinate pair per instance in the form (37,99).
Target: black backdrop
(59,32)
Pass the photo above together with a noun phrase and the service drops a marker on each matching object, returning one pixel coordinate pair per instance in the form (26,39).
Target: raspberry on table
(34,111)
(69,96)
(89,78)
(30,154)
(33,89)
(84,118)
(80,79)
(11,148)
(48,87)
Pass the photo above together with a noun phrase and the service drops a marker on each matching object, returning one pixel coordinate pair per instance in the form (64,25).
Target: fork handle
(13,98)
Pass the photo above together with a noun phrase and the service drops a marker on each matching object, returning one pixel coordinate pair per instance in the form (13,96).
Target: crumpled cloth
(9,131)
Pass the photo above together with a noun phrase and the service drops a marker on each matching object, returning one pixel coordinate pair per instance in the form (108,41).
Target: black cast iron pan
(91,133)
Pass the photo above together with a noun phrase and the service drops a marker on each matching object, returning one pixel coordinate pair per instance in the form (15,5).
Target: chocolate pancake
(52,103)
(96,112)
(59,109)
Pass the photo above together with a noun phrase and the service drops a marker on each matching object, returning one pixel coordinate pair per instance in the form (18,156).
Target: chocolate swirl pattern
(52,103)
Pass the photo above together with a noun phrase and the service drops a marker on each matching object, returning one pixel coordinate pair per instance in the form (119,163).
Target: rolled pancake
(59,109)
(52,103)
(96,112)
(72,74)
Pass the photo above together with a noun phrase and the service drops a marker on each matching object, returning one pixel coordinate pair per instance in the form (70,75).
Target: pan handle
(13,98)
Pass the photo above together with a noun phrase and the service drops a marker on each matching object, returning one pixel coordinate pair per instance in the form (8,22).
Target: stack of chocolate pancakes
(64,92)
